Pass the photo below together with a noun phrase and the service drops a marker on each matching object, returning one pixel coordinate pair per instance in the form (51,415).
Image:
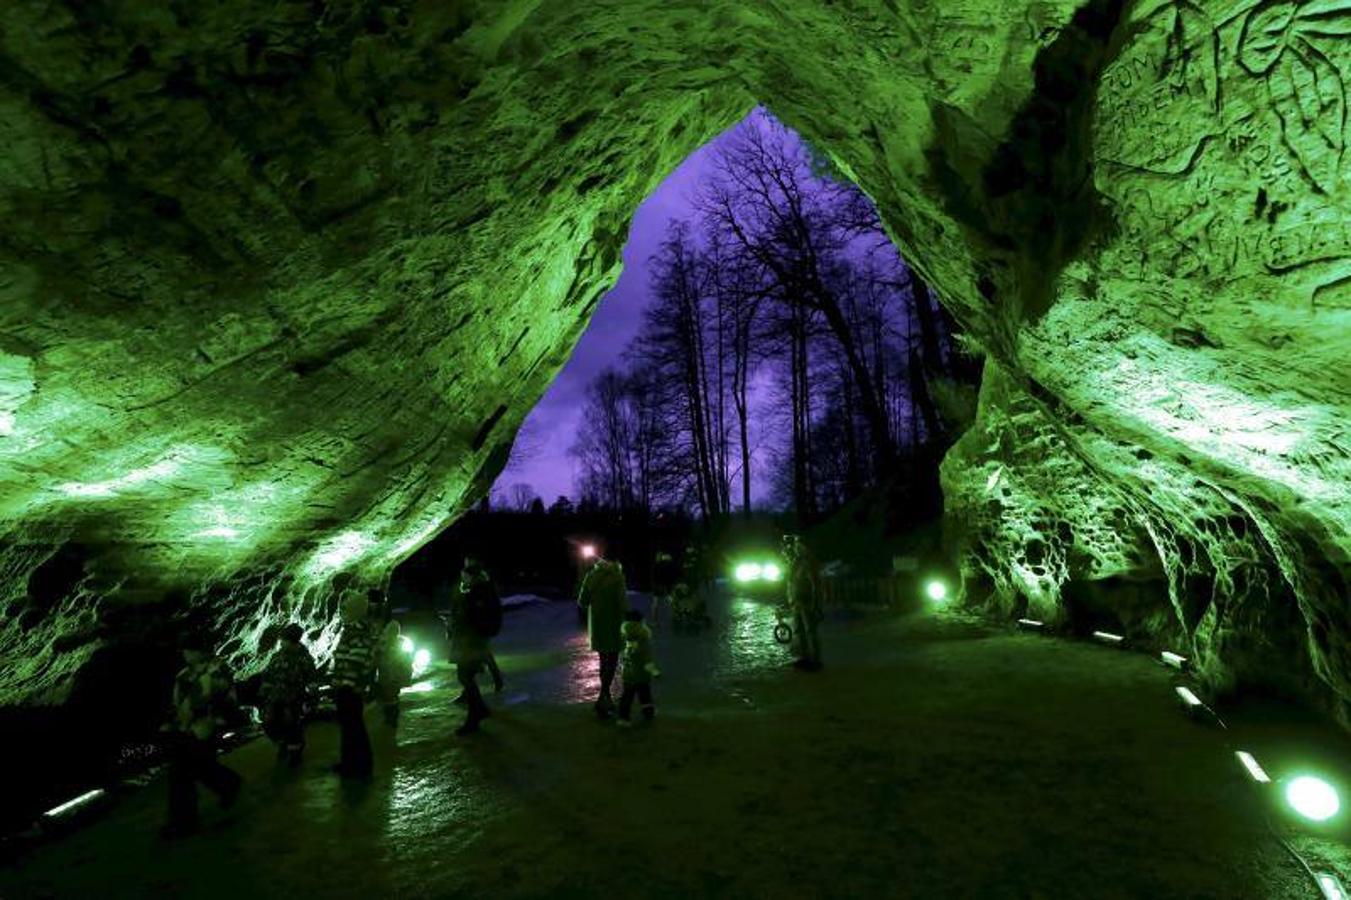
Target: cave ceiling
(279,281)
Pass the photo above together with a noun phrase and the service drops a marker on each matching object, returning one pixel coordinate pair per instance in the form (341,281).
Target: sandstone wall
(280,280)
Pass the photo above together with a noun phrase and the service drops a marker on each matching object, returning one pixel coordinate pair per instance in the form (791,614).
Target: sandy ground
(934,757)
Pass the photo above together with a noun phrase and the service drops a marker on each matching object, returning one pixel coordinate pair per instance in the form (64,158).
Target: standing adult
(287,681)
(475,618)
(353,665)
(804,599)
(604,595)
(204,700)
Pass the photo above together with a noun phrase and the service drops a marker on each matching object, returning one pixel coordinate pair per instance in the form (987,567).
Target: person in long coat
(604,595)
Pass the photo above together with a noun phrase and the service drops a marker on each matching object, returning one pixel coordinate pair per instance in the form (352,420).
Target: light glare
(936,590)
(421,660)
(1313,798)
(747,571)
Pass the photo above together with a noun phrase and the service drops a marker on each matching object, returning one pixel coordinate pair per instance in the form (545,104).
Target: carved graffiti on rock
(1159,100)
(1288,45)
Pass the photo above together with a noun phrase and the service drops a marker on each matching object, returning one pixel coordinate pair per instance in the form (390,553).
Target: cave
(281,281)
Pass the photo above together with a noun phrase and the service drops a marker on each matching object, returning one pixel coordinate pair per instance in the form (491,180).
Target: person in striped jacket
(353,665)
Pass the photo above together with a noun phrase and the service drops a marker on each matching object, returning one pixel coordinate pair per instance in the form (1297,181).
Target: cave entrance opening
(765,356)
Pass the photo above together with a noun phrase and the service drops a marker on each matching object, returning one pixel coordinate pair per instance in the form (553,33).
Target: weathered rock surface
(279,281)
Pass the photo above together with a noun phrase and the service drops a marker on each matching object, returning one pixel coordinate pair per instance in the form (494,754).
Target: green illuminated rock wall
(280,280)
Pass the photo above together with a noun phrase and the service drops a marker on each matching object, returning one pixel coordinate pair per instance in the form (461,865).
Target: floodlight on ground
(1107,637)
(748,571)
(771,572)
(1031,624)
(1332,888)
(76,803)
(936,590)
(1170,658)
(421,660)
(1258,773)
(1313,798)
(1188,698)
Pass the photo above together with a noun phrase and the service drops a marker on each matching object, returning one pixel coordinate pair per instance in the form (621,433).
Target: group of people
(370,660)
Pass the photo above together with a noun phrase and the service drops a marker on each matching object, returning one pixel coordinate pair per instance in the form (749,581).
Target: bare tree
(793,226)
(520,495)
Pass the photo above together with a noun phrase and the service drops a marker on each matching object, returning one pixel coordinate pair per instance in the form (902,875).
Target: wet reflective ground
(932,758)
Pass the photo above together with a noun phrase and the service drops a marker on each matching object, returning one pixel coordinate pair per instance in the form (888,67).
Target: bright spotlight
(421,660)
(588,551)
(1258,773)
(748,571)
(936,590)
(1313,798)
(771,572)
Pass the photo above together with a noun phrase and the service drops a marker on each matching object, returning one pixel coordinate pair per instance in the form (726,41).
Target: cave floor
(934,757)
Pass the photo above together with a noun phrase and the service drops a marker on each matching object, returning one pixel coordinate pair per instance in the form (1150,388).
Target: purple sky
(552,425)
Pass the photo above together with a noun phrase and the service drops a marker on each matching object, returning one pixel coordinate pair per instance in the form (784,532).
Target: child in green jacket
(639,667)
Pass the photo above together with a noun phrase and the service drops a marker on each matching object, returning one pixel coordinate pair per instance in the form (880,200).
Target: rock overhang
(285,279)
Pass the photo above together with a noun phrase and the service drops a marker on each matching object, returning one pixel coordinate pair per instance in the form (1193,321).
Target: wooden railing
(889,591)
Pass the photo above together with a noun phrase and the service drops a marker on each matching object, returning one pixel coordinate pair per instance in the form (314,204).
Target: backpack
(484,609)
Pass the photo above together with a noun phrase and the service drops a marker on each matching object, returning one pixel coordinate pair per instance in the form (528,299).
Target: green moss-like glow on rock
(277,292)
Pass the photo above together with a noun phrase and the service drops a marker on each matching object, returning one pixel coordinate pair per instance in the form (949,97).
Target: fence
(890,591)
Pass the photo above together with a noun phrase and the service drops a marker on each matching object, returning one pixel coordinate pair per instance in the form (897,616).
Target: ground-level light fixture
(1169,658)
(1188,697)
(1258,773)
(936,590)
(1031,624)
(73,804)
(1332,888)
(771,572)
(1107,637)
(1313,798)
(588,551)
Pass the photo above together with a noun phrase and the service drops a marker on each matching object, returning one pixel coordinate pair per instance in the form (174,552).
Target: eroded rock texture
(279,281)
